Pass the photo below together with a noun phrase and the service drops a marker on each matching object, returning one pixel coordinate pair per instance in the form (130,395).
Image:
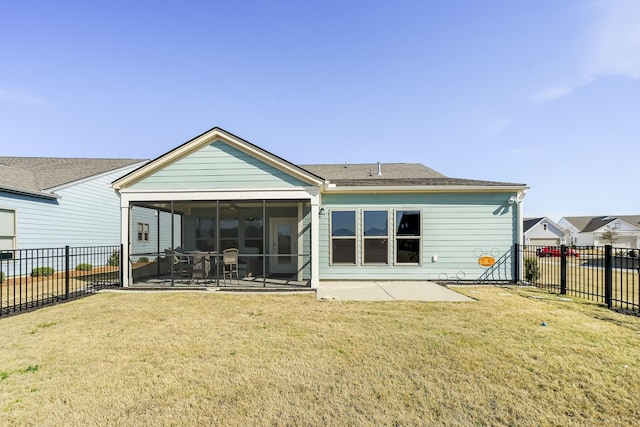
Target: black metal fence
(32,278)
(600,273)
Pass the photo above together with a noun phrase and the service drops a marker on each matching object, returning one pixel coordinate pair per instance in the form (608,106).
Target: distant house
(53,202)
(542,232)
(308,223)
(588,230)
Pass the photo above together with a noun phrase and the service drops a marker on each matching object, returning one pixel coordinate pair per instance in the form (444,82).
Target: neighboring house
(322,222)
(542,232)
(53,202)
(588,230)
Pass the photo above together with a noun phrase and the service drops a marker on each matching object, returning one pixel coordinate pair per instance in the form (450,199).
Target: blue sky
(543,92)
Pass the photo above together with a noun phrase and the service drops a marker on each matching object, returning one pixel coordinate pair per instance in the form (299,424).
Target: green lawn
(237,359)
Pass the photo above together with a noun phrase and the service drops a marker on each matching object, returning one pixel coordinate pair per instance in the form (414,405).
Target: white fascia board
(430,189)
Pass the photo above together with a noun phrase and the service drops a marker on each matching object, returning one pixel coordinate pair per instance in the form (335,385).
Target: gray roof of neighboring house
(35,174)
(587,224)
(597,222)
(579,222)
(392,174)
(631,219)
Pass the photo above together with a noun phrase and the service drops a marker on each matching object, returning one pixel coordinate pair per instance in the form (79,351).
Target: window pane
(253,228)
(408,223)
(204,228)
(343,251)
(229,227)
(6,244)
(376,223)
(7,223)
(343,223)
(408,251)
(376,251)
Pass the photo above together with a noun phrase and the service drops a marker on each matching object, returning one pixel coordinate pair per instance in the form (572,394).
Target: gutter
(332,188)
(30,193)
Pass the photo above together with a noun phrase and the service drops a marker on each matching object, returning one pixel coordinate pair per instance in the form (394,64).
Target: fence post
(516,263)
(121,266)
(608,276)
(563,269)
(66,272)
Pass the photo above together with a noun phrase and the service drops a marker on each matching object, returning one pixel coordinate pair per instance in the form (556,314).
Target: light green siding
(456,228)
(217,165)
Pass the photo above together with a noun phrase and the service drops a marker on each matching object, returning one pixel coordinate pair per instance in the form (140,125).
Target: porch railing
(32,278)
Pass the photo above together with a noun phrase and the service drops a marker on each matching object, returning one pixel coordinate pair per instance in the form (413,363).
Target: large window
(7,231)
(343,237)
(408,234)
(375,240)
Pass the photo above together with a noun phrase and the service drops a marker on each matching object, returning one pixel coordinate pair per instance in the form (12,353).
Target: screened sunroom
(185,242)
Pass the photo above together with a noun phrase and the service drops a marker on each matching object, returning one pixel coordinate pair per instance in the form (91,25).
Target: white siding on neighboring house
(544,233)
(626,235)
(573,235)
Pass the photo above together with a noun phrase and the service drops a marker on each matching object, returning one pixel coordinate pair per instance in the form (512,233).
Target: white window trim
(363,237)
(13,237)
(396,237)
(354,238)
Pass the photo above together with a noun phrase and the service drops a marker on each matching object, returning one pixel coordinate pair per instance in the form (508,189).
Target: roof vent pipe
(379,169)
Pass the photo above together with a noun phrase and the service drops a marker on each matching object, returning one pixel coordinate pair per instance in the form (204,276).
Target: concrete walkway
(384,290)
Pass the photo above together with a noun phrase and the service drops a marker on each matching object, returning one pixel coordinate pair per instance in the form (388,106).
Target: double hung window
(375,239)
(343,237)
(408,235)
(143,232)
(7,232)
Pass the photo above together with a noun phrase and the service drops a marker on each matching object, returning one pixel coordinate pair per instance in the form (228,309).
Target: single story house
(308,223)
(589,230)
(54,202)
(542,232)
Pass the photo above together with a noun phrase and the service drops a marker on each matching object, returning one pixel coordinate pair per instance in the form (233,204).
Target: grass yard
(238,359)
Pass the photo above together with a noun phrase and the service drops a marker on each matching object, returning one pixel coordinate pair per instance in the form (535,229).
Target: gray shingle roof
(587,224)
(370,171)
(41,173)
(393,174)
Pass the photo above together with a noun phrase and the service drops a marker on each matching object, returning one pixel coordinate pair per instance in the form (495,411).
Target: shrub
(531,270)
(42,271)
(84,267)
(114,258)
(1,277)
(143,259)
